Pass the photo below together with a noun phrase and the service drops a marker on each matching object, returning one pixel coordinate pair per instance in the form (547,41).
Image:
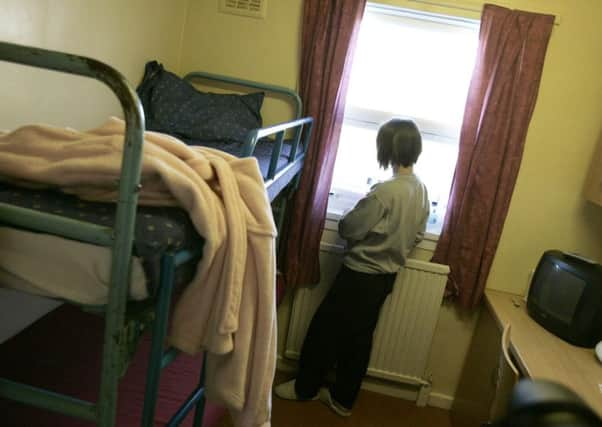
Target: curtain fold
(329,33)
(500,103)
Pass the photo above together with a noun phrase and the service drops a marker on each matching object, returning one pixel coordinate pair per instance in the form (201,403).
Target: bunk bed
(121,227)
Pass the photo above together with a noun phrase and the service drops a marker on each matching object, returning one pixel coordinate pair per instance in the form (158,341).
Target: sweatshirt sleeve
(425,216)
(356,224)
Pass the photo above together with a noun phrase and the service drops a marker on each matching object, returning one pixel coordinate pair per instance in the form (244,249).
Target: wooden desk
(542,355)
(482,392)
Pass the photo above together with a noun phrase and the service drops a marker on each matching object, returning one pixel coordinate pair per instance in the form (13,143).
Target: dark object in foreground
(542,403)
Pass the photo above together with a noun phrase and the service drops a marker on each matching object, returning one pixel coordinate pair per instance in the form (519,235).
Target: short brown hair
(398,143)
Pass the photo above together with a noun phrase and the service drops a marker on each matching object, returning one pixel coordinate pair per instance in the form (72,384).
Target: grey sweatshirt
(385,225)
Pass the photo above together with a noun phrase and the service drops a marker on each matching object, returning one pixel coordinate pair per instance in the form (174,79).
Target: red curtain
(329,33)
(501,98)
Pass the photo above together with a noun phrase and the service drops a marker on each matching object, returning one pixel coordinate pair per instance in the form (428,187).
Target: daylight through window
(411,65)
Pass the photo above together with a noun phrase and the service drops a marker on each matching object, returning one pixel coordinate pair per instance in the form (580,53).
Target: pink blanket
(226,200)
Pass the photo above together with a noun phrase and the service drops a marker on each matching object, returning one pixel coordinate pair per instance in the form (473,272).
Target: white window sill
(429,242)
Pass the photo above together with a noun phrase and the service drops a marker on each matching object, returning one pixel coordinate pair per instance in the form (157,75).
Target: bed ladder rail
(120,238)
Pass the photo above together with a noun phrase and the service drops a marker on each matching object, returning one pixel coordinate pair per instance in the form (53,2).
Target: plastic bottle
(434,215)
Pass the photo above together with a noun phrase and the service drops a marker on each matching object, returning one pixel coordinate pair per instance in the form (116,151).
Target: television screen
(560,291)
(565,297)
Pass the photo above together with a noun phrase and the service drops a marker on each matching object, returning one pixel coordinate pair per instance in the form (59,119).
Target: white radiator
(403,337)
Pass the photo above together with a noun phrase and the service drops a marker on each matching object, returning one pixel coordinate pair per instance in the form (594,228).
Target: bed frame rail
(202,75)
(298,145)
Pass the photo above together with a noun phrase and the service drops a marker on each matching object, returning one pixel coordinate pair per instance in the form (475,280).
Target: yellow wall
(548,209)
(265,50)
(124,34)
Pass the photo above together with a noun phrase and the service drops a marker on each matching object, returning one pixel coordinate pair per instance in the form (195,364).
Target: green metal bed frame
(125,322)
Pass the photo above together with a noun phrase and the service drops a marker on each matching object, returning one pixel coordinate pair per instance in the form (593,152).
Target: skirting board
(401,391)
(440,400)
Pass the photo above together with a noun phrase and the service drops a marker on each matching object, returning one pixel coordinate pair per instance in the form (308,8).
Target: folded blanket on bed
(229,307)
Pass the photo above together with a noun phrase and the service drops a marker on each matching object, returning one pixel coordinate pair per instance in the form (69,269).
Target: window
(413,65)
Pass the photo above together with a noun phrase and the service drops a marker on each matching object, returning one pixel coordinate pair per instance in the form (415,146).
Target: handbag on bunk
(174,106)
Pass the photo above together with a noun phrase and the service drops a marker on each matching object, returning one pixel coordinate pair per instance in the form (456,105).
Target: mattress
(55,267)
(79,271)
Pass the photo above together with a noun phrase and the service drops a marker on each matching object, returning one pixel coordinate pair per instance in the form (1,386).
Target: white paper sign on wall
(252,8)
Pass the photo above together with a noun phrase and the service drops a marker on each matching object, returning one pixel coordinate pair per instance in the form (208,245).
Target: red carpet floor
(62,351)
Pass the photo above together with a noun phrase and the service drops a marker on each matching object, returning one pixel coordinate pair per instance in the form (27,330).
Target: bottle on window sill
(434,215)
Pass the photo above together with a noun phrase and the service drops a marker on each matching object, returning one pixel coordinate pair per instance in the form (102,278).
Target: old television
(565,297)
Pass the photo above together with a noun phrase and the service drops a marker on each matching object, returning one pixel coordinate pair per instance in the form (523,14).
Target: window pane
(415,67)
(356,159)
(410,65)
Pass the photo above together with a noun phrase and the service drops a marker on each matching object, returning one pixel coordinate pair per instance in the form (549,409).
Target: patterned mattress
(158,229)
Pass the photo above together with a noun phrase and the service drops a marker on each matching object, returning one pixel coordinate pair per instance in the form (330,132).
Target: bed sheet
(71,270)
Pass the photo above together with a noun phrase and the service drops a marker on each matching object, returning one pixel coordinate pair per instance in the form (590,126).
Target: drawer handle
(506,349)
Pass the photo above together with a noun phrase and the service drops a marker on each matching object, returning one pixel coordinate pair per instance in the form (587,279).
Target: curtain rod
(466,6)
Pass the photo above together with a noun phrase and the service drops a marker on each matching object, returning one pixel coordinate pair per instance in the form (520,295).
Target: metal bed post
(304,144)
(159,331)
(129,186)
(200,407)
(159,358)
(196,399)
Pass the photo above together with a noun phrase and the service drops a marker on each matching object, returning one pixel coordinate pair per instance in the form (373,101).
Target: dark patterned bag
(173,106)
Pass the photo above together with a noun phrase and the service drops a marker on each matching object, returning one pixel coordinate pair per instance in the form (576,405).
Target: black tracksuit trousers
(340,334)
